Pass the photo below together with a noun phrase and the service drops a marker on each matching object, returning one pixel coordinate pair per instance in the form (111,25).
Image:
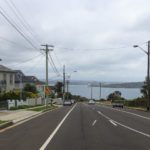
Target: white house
(7,79)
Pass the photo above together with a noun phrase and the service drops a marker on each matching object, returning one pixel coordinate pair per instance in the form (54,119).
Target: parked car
(117,103)
(91,102)
(72,101)
(67,103)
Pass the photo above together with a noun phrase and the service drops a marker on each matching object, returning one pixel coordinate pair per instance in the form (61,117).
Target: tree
(145,89)
(30,88)
(116,95)
(58,87)
(68,96)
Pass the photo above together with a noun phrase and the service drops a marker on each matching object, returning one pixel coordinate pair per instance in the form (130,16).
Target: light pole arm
(135,46)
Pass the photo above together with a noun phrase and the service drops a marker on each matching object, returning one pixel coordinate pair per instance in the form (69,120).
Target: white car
(67,103)
(91,102)
(72,101)
(117,103)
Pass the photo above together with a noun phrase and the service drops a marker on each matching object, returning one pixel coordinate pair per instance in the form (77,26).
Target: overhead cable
(16,28)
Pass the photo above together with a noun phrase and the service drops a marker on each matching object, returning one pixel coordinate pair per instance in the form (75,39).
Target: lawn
(1,122)
(43,108)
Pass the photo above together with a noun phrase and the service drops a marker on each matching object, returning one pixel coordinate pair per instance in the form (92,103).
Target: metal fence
(3,105)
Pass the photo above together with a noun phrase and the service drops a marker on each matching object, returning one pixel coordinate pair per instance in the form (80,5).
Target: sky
(95,38)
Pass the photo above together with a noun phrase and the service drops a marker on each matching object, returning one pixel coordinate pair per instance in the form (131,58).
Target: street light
(69,76)
(90,85)
(148,73)
(135,46)
(100,87)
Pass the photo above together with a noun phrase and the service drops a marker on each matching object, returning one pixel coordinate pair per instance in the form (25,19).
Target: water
(84,90)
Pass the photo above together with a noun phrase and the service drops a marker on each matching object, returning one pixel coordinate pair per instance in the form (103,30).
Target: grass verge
(1,122)
(23,107)
(4,124)
(137,108)
(43,108)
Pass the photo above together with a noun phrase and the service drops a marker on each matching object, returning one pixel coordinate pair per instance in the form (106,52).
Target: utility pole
(21,87)
(46,50)
(148,73)
(100,86)
(64,83)
(91,92)
(67,85)
(148,77)
(67,88)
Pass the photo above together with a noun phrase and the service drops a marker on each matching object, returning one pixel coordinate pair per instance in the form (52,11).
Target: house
(21,79)
(7,79)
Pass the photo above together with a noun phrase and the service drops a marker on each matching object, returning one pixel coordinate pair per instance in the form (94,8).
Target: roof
(18,75)
(5,69)
(30,79)
(19,72)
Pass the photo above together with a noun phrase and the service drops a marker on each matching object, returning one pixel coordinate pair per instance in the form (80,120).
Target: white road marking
(56,129)
(128,113)
(94,122)
(140,132)
(111,121)
(23,121)
(104,115)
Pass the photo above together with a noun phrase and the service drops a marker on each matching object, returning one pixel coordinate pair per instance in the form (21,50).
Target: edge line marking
(56,129)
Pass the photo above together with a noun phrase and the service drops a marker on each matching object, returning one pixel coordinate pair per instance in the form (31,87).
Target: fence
(3,105)
(28,102)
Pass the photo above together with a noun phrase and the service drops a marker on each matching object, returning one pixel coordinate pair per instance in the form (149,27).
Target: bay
(85,91)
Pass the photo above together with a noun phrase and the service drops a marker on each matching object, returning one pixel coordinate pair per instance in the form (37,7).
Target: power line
(16,28)
(58,60)
(25,61)
(20,17)
(53,65)
(85,49)
(4,12)
(50,62)
(14,43)
(34,65)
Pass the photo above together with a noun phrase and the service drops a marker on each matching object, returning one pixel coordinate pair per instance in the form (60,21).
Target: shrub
(139,102)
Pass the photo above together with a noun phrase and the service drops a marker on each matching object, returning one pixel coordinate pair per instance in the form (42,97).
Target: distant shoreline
(136,85)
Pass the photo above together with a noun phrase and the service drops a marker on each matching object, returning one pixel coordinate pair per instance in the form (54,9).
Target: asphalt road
(81,127)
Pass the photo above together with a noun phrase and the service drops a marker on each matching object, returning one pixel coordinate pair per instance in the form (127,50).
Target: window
(4,78)
(11,78)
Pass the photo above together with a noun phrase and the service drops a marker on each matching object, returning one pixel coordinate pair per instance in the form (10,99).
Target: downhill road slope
(81,127)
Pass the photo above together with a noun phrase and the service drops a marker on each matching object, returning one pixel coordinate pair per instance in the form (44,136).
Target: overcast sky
(94,37)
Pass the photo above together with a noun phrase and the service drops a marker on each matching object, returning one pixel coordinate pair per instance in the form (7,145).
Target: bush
(60,95)
(139,102)
(23,107)
(68,95)
(30,88)
(13,108)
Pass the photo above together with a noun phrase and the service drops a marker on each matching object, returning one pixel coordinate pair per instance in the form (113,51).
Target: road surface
(81,127)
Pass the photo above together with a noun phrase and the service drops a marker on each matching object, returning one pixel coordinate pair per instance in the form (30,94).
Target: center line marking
(111,121)
(56,129)
(94,122)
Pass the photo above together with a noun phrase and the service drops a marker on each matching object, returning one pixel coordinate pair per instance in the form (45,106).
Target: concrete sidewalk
(17,115)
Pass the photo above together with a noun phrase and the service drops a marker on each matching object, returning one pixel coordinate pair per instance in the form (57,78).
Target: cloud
(93,37)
